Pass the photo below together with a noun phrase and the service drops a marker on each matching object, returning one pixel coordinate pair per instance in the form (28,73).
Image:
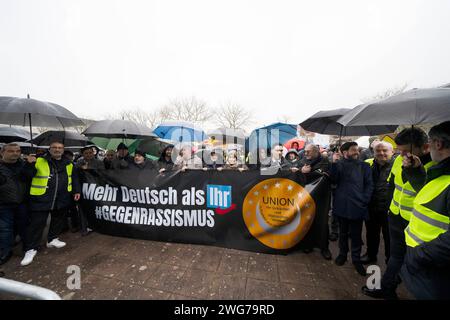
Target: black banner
(242,210)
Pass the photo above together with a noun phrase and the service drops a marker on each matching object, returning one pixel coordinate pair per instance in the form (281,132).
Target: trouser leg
(397,225)
(356,239)
(6,230)
(343,236)
(57,223)
(373,228)
(38,220)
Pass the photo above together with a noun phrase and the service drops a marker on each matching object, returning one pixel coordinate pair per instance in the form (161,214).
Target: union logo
(278,212)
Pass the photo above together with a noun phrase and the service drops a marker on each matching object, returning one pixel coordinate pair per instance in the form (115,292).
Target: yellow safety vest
(39,183)
(369,161)
(404,194)
(426,224)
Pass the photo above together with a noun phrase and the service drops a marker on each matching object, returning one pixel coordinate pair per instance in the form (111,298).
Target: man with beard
(354,187)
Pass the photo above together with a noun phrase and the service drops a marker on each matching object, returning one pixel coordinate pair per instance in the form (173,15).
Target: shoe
(365,259)
(333,237)
(4,259)
(379,293)
(340,260)
(360,268)
(29,256)
(326,254)
(56,243)
(307,250)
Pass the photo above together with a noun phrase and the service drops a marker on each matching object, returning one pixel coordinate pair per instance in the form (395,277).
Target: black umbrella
(416,106)
(31,112)
(325,122)
(118,129)
(13,134)
(69,138)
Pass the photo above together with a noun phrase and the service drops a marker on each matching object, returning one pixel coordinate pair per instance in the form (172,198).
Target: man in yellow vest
(426,269)
(400,209)
(54,185)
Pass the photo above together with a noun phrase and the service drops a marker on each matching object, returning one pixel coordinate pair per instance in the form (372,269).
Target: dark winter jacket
(56,195)
(319,166)
(146,165)
(163,163)
(426,269)
(354,186)
(13,186)
(122,163)
(288,164)
(382,193)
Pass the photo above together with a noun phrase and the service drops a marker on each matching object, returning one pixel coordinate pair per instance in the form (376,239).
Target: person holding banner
(123,159)
(232,162)
(354,187)
(165,161)
(292,160)
(141,162)
(187,160)
(313,166)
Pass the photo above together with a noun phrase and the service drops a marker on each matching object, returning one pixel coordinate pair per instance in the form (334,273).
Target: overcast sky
(276,58)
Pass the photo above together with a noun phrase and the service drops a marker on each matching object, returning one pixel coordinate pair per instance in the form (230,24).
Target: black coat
(122,163)
(13,185)
(56,195)
(354,186)
(319,166)
(382,192)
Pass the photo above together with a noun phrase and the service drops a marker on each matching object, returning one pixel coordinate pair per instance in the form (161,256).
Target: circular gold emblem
(278,212)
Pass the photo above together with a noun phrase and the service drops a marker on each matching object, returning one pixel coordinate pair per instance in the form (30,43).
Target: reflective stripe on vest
(404,194)
(369,161)
(39,183)
(426,224)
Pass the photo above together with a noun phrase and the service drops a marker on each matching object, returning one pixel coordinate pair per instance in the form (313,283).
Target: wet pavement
(122,268)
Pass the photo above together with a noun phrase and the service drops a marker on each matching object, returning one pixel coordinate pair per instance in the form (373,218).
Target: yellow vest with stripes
(369,161)
(426,224)
(404,194)
(39,183)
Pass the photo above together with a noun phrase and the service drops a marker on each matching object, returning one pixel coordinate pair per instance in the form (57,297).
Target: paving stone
(233,263)
(297,273)
(166,277)
(263,267)
(262,290)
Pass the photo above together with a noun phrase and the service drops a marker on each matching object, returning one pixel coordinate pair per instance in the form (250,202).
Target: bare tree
(186,109)
(232,115)
(385,94)
(138,115)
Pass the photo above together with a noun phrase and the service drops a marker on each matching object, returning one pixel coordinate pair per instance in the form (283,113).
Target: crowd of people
(401,194)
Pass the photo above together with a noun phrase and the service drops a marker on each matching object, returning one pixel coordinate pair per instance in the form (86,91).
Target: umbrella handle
(31,130)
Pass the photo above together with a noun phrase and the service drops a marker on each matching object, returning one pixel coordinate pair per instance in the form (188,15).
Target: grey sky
(274,57)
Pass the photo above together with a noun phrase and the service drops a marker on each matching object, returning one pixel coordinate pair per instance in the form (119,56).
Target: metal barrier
(26,290)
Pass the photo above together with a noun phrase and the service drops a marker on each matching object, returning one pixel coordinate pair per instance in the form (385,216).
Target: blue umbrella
(266,137)
(179,131)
